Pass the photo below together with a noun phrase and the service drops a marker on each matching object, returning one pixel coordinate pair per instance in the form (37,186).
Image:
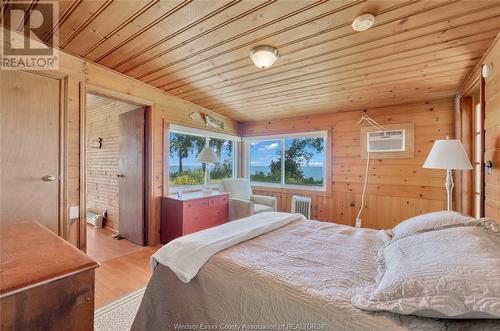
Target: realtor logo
(27,32)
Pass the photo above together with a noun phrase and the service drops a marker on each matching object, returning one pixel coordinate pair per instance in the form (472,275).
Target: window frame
(173,128)
(282,138)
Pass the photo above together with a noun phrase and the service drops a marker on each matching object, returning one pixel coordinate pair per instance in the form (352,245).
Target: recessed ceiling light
(363,22)
(264,56)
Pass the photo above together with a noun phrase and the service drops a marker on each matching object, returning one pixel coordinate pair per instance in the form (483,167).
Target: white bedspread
(300,276)
(186,255)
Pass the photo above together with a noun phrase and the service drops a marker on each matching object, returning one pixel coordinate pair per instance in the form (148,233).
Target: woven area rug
(119,314)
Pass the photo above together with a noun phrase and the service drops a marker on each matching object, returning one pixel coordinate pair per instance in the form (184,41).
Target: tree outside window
(185,170)
(224,150)
(301,159)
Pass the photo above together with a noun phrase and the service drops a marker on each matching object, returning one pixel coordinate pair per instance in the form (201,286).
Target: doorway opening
(115,176)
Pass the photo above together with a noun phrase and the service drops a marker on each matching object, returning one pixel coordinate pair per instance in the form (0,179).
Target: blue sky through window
(263,152)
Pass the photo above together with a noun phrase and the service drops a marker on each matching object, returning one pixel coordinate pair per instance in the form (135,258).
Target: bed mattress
(299,277)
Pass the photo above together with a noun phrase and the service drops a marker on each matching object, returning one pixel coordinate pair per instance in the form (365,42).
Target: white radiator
(301,205)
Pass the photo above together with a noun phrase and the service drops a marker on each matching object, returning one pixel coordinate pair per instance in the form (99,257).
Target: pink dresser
(192,212)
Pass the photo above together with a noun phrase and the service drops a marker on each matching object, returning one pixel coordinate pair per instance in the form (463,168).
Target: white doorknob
(48,178)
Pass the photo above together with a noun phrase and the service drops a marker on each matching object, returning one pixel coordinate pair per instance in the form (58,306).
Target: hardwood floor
(124,265)
(102,247)
(121,275)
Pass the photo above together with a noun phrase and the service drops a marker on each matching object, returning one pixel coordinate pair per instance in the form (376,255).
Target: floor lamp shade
(448,154)
(207,155)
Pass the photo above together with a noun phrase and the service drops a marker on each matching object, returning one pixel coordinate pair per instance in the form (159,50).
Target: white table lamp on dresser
(448,154)
(207,156)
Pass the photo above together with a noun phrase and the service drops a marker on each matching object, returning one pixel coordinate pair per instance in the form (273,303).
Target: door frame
(469,99)
(148,155)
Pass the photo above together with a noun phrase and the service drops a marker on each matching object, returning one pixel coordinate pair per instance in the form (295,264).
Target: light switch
(74,212)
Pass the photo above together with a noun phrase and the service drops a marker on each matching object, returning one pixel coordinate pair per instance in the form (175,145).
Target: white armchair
(242,201)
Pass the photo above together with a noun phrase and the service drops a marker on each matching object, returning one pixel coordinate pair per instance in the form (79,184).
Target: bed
(300,276)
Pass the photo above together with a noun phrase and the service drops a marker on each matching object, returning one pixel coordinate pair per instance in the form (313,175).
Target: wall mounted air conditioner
(386,141)
(301,205)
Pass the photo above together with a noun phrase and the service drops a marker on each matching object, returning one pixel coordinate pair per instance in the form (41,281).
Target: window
(184,146)
(183,167)
(292,160)
(304,161)
(225,168)
(265,161)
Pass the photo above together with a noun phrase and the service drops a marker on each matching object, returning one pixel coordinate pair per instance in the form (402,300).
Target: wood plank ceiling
(198,50)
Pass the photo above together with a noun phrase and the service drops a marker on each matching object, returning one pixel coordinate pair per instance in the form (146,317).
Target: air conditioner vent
(386,141)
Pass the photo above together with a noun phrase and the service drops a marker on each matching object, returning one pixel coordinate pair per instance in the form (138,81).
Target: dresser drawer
(219,201)
(194,206)
(217,215)
(182,216)
(192,224)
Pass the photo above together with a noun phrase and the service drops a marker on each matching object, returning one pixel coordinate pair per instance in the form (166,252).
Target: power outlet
(74,212)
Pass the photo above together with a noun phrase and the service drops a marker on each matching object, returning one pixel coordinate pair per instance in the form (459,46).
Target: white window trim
(311,134)
(201,133)
(282,138)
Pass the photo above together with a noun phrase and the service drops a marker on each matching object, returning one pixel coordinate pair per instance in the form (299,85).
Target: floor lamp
(448,154)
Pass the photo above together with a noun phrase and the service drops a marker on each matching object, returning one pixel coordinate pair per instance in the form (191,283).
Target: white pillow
(448,273)
(429,221)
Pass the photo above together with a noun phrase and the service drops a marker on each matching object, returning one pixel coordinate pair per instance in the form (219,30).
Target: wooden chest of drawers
(45,283)
(191,213)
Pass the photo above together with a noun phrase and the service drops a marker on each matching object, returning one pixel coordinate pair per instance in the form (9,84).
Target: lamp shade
(447,154)
(207,155)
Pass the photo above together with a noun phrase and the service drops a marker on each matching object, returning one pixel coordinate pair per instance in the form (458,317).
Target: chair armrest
(239,208)
(265,200)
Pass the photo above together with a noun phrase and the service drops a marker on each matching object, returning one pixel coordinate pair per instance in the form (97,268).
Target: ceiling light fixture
(363,22)
(264,56)
(486,70)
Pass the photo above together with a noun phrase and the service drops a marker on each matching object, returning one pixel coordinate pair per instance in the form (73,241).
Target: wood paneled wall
(78,75)
(491,95)
(397,188)
(102,164)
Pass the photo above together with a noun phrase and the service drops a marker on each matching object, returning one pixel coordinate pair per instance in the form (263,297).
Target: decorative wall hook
(97,143)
